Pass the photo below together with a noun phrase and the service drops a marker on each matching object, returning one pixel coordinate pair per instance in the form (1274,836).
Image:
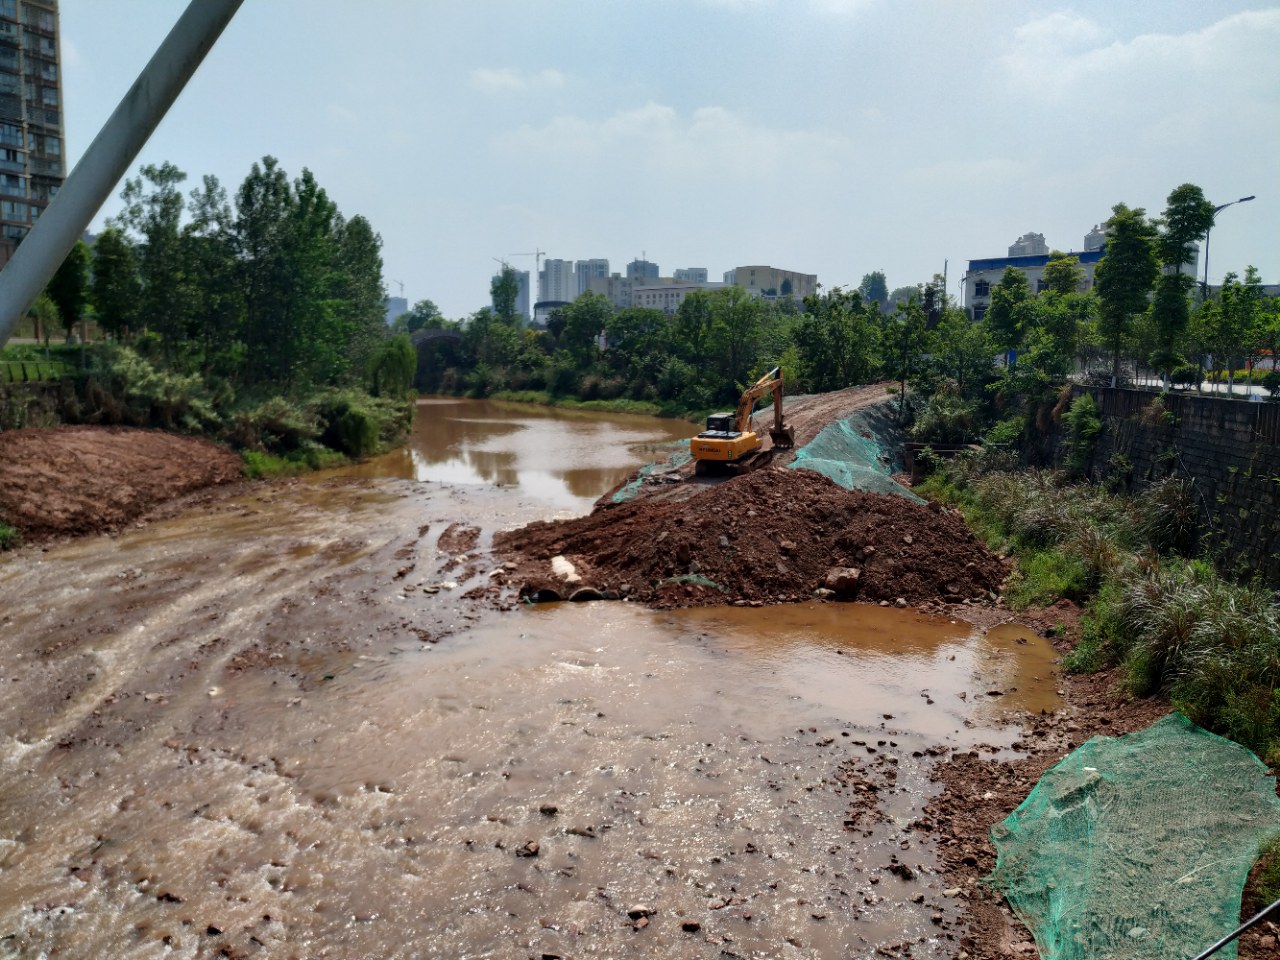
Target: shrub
(1271,382)
(9,537)
(1084,423)
(392,367)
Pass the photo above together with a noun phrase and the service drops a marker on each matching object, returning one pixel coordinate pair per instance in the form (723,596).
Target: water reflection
(567,458)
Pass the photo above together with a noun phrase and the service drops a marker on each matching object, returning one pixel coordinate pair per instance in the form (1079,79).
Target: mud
(75,481)
(772,535)
(295,722)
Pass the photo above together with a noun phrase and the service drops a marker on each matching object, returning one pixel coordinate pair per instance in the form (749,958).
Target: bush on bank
(1172,622)
(302,430)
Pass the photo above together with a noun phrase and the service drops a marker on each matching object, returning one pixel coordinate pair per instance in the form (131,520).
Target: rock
(529,849)
(565,570)
(640,923)
(724,541)
(843,581)
(640,910)
(786,546)
(548,809)
(691,926)
(583,594)
(900,602)
(951,892)
(907,539)
(683,554)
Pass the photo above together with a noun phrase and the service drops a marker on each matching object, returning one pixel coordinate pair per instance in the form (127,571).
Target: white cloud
(710,142)
(508,80)
(1066,56)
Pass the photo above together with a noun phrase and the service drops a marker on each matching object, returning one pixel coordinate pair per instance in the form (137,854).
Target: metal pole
(42,251)
(1257,918)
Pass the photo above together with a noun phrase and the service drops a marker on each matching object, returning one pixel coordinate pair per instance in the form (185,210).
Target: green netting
(847,452)
(1137,847)
(677,457)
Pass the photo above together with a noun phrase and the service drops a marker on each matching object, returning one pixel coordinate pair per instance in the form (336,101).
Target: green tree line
(256,317)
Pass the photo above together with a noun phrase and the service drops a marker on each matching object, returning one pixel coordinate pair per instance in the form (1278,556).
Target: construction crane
(537,259)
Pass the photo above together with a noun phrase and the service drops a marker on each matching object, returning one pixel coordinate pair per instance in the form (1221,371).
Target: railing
(33,371)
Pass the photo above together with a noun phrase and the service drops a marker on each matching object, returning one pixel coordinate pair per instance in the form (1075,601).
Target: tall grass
(1175,624)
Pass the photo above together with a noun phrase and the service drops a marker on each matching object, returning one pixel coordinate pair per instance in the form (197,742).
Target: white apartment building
(585,270)
(667,295)
(691,274)
(557,282)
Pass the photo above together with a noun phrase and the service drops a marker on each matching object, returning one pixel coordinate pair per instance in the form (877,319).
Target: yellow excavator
(729,444)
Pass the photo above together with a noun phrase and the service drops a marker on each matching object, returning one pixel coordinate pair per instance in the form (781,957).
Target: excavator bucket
(784,438)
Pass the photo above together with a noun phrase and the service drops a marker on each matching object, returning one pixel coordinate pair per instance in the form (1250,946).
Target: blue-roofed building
(982,275)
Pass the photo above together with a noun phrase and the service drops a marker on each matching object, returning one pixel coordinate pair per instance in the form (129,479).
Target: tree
(260,236)
(1187,218)
(585,320)
(875,289)
(1124,277)
(217,300)
(693,329)
(962,351)
(1062,274)
(505,290)
(904,336)
(116,287)
(1238,321)
(1005,318)
(900,295)
(735,327)
(69,288)
(357,285)
(836,339)
(45,312)
(153,209)
(424,315)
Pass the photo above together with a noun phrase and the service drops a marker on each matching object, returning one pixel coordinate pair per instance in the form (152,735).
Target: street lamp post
(1204,287)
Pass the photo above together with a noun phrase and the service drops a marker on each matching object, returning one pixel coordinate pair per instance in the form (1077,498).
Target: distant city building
(615,286)
(587,270)
(522,292)
(763,281)
(396,306)
(731,277)
(1029,245)
(32,146)
(1095,239)
(556,281)
(642,270)
(668,295)
(692,274)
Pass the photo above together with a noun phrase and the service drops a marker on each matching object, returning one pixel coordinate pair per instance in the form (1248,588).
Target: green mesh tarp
(1137,847)
(847,452)
(677,457)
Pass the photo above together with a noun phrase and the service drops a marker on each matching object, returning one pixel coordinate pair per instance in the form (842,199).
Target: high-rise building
(556,281)
(395,306)
(31,139)
(692,274)
(586,270)
(642,270)
(764,281)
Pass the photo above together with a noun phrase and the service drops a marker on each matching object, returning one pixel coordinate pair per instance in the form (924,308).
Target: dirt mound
(773,535)
(71,481)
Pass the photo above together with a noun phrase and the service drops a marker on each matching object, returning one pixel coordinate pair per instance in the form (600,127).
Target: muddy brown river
(289,725)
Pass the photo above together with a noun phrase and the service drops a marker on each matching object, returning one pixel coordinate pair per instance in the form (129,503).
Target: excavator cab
(720,424)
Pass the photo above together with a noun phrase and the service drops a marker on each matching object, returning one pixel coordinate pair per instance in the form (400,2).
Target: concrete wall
(1231,448)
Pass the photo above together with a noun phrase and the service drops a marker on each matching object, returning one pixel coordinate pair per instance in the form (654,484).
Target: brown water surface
(276,727)
(566,457)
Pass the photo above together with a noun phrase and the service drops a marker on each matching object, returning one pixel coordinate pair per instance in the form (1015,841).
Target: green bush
(1046,576)
(9,537)
(392,367)
(1084,423)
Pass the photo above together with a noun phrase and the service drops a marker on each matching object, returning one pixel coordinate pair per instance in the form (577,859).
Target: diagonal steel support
(108,158)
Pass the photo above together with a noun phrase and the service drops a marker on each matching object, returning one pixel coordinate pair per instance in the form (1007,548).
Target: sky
(833,137)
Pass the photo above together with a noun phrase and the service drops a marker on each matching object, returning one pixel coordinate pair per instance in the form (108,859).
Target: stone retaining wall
(1230,448)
